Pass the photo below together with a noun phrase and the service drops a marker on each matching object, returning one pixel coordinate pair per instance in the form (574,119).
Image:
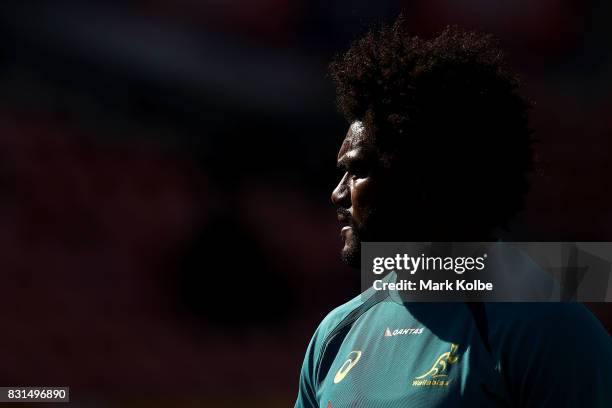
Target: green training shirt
(376,351)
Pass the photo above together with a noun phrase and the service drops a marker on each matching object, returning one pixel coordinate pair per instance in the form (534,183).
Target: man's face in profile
(360,195)
(392,195)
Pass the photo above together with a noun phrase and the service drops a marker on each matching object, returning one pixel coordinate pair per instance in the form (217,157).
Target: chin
(351,254)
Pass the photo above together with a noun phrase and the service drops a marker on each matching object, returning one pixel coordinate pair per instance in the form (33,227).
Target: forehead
(356,141)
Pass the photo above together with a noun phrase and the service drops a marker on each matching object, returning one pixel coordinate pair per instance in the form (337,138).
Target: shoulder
(527,327)
(551,354)
(341,317)
(540,347)
(333,321)
(350,309)
(513,318)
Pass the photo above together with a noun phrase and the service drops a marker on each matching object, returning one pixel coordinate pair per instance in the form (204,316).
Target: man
(439,149)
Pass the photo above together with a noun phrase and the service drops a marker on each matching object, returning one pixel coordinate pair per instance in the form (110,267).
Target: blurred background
(166,231)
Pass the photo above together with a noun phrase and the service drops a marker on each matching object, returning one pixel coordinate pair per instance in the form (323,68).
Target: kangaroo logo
(438,372)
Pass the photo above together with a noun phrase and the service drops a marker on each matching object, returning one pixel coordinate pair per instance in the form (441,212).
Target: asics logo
(353,358)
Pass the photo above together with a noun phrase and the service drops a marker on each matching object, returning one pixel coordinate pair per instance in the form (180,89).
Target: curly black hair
(453,101)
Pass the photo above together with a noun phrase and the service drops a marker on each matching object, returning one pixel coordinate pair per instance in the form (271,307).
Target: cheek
(363,198)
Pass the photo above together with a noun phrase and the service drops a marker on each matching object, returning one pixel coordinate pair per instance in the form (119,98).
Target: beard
(380,226)
(351,252)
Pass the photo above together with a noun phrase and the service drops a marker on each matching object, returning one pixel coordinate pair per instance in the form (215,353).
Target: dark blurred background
(166,232)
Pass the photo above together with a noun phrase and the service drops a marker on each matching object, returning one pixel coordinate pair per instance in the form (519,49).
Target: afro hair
(449,107)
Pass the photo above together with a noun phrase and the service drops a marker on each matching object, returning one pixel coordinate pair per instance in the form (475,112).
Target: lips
(345,230)
(346,233)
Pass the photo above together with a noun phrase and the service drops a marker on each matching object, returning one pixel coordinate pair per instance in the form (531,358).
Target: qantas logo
(402,332)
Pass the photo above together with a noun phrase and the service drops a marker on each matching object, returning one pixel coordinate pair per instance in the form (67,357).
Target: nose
(341,196)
